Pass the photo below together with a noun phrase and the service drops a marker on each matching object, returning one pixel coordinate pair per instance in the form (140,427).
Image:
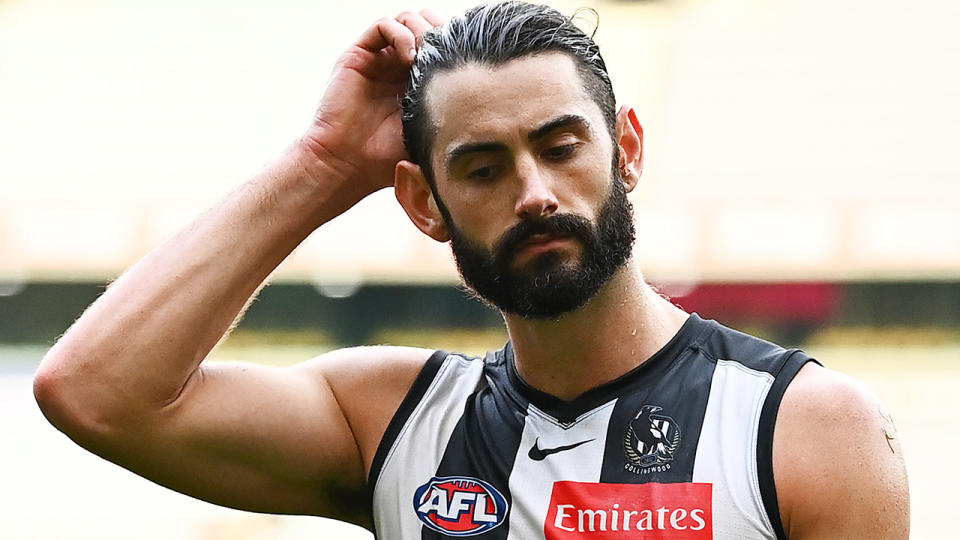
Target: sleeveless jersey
(678,448)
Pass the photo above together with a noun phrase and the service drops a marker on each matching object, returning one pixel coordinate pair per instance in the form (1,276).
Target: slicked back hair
(492,35)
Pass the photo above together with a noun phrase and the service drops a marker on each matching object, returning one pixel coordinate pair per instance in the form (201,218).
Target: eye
(560,152)
(487,172)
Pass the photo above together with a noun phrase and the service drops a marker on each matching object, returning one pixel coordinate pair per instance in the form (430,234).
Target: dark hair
(494,34)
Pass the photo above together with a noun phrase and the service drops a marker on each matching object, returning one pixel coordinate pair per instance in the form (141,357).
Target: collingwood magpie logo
(650,441)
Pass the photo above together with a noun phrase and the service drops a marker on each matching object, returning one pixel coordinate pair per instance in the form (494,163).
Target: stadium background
(799,183)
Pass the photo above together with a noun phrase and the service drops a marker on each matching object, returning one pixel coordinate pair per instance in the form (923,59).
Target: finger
(415,22)
(389,33)
(433,17)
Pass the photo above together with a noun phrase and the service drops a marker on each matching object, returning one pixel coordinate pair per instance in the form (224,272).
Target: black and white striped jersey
(678,448)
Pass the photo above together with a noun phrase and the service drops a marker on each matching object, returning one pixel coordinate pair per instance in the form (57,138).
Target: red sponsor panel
(619,511)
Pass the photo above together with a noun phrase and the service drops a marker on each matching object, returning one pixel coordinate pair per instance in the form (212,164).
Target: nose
(536,199)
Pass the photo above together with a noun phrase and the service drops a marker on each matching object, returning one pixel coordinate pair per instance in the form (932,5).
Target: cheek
(587,186)
(472,217)
(478,206)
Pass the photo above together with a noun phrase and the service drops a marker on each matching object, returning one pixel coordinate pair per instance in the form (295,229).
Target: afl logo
(651,440)
(459,505)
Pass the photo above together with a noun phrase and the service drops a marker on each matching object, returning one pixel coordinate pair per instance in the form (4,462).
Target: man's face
(527,184)
(550,284)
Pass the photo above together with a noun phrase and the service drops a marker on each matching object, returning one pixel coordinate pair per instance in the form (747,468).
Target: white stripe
(415,455)
(531,482)
(728,448)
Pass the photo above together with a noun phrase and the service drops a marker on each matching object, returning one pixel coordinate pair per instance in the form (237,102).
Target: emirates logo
(650,441)
(654,511)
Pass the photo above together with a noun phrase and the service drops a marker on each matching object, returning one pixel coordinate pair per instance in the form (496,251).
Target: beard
(550,284)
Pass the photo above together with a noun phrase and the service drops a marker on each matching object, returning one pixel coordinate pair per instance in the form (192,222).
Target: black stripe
(566,412)
(792,362)
(410,402)
(484,443)
(677,398)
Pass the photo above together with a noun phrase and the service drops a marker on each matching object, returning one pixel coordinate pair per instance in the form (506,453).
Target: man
(611,413)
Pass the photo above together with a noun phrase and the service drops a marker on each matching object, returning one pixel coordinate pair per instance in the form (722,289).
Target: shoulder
(369,384)
(369,364)
(724,343)
(838,465)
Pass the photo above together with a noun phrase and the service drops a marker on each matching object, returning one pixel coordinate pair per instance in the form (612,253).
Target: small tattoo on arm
(889,438)
(889,430)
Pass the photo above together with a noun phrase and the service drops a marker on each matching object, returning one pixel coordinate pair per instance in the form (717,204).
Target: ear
(415,196)
(630,140)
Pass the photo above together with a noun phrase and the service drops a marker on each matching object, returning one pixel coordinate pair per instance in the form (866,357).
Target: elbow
(45,389)
(66,397)
(52,387)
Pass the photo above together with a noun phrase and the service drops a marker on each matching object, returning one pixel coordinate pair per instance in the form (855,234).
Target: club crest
(650,441)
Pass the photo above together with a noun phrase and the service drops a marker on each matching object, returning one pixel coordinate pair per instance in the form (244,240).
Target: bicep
(838,467)
(253,437)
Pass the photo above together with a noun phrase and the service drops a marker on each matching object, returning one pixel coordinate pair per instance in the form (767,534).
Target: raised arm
(838,464)
(126,381)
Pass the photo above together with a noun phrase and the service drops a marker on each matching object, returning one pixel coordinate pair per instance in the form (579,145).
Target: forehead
(496,103)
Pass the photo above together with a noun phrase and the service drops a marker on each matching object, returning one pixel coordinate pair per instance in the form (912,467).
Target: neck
(617,330)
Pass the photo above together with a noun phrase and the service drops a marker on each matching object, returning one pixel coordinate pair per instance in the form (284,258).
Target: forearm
(136,346)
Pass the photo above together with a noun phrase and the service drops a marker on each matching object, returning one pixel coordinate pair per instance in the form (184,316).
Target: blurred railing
(714,241)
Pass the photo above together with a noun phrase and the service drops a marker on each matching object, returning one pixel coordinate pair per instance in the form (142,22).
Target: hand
(356,132)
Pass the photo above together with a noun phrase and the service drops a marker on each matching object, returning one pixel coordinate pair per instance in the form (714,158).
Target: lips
(529,239)
(542,239)
(539,243)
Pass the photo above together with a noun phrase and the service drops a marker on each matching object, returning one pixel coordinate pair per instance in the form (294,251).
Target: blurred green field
(919,386)
(917,382)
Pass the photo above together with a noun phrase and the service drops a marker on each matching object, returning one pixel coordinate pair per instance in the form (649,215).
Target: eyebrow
(472,148)
(565,121)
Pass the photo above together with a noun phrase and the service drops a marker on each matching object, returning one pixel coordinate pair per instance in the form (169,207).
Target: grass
(916,374)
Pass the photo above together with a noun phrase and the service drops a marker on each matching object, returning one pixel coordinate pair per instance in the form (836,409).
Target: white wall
(794,139)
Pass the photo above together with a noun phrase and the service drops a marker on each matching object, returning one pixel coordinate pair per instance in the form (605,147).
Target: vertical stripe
(421,385)
(534,475)
(419,446)
(483,445)
(788,369)
(726,455)
(675,403)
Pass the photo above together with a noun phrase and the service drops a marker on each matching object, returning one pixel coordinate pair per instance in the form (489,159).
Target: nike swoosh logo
(539,454)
